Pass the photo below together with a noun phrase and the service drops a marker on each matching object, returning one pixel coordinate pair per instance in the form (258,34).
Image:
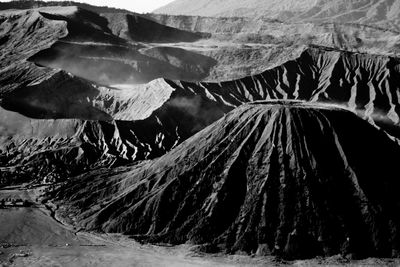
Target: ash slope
(234,8)
(377,12)
(292,179)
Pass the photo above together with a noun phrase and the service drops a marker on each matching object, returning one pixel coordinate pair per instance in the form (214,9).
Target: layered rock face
(284,178)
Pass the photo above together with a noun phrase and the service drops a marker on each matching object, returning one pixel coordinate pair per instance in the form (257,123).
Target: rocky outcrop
(284,178)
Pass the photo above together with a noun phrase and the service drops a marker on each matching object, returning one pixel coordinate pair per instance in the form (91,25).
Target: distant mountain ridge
(377,12)
(28,4)
(233,7)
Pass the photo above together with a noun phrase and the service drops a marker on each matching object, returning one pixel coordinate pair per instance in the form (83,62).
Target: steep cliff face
(367,84)
(285,178)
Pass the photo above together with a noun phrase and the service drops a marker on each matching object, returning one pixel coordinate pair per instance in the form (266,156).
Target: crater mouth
(289,103)
(279,102)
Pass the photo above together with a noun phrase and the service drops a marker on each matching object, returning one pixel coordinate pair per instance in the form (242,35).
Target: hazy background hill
(377,12)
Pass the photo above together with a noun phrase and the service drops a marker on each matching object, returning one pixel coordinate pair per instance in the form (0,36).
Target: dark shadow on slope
(182,116)
(145,30)
(58,97)
(87,26)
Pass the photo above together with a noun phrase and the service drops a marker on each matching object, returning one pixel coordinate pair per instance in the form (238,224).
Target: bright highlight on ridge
(139,6)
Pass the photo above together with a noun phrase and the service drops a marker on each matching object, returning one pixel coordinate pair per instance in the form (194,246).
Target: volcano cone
(284,178)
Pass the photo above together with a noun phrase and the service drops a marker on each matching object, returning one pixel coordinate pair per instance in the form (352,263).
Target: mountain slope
(55,59)
(151,120)
(366,84)
(29,4)
(138,28)
(288,178)
(377,12)
(169,111)
(234,8)
(55,124)
(373,12)
(50,53)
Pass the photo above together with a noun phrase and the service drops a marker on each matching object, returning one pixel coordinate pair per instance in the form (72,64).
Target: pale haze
(140,6)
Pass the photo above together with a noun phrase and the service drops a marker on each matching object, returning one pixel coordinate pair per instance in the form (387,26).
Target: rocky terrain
(56,123)
(284,178)
(266,130)
(83,105)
